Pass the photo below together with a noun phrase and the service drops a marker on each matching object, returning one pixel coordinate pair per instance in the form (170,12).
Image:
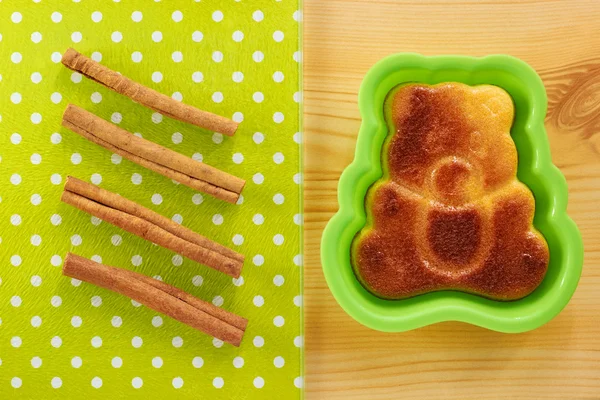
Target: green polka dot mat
(64,339)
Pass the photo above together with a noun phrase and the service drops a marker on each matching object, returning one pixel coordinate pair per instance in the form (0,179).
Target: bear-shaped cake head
(449,212)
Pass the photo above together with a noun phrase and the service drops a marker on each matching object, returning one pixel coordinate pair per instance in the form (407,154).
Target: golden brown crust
(452,215)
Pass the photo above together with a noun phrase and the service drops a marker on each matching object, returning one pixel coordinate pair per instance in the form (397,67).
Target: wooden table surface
(561,40)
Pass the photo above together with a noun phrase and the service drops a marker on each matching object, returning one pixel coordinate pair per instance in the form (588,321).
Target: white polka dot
(55,98)
(76,77)
(278,321)
(298,301)
(197,362)
(15,219)
(237,239)
(177,260)
(258,341)
(16,341)
(137,342)
(96,301)
(76,321)
(258,15)
(217,56)
(136,260)
(258,97)
(157,362)
(97,56)
(15,138)
(56,382)
(237,36)
(56,179)
(157,36)
(177,16)
(36,77)
(258,178)
(15,259)
(197,77)
(16,382)
(157,321)
(76,37)
(56,301)
(298,260)
(217,16)
(116,36)
(36,118)
(96,341)
(76,240)
(279,362)
(197,280)
(237,117)
(278,76)
(197,36)
(157,199)
(218,382)
(56,17)
(197,199)
(297,15)
(238,281)
(278,36)
(116,117)
(157,77)
(116,362)
(36,280)
(97,382)
(75,282)
(177,382)
(278,117)
(237,158)
(36,321)
(95,257)
(137,382)
(76,362)
(15,179)
(56,260)
(258,301)
(36,37)
(157,118)
(278,280)
(96,16)
(136,57)
(177,56)
(258,260)
(258,56)
(217,219)
(278,239)
(16,17)
(259,382)
(15,98)
(278,199)
(56,342)
(237,76)
(177,96)
(217,138)
(177,341)
(136,16)
(16,301)
(297,56)
(258,219)
(217,97)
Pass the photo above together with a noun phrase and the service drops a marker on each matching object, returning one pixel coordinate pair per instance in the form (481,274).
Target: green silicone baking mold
(535,169)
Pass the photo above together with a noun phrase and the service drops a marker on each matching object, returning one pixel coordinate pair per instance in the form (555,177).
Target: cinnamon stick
(166,162)
(151,226)
(160,297)
(150,98)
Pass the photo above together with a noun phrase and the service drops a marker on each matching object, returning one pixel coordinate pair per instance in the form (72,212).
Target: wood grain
(561,40)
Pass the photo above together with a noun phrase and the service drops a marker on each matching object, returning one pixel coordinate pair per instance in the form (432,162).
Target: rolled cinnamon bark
(166,162)
(151,226)
(160,297)
(150,98)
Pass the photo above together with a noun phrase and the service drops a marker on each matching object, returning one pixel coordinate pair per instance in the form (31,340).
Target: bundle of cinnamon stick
(144,222)
(160,297)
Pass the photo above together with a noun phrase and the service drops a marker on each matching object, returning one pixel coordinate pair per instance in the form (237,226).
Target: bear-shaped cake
(449,212)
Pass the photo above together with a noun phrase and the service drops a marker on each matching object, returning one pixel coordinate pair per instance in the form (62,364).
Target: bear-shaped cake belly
(449,213)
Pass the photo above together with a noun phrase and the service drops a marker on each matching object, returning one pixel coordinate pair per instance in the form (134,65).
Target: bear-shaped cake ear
(452,215)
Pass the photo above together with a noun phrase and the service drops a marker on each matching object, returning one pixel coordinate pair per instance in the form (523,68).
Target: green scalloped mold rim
(535,169)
